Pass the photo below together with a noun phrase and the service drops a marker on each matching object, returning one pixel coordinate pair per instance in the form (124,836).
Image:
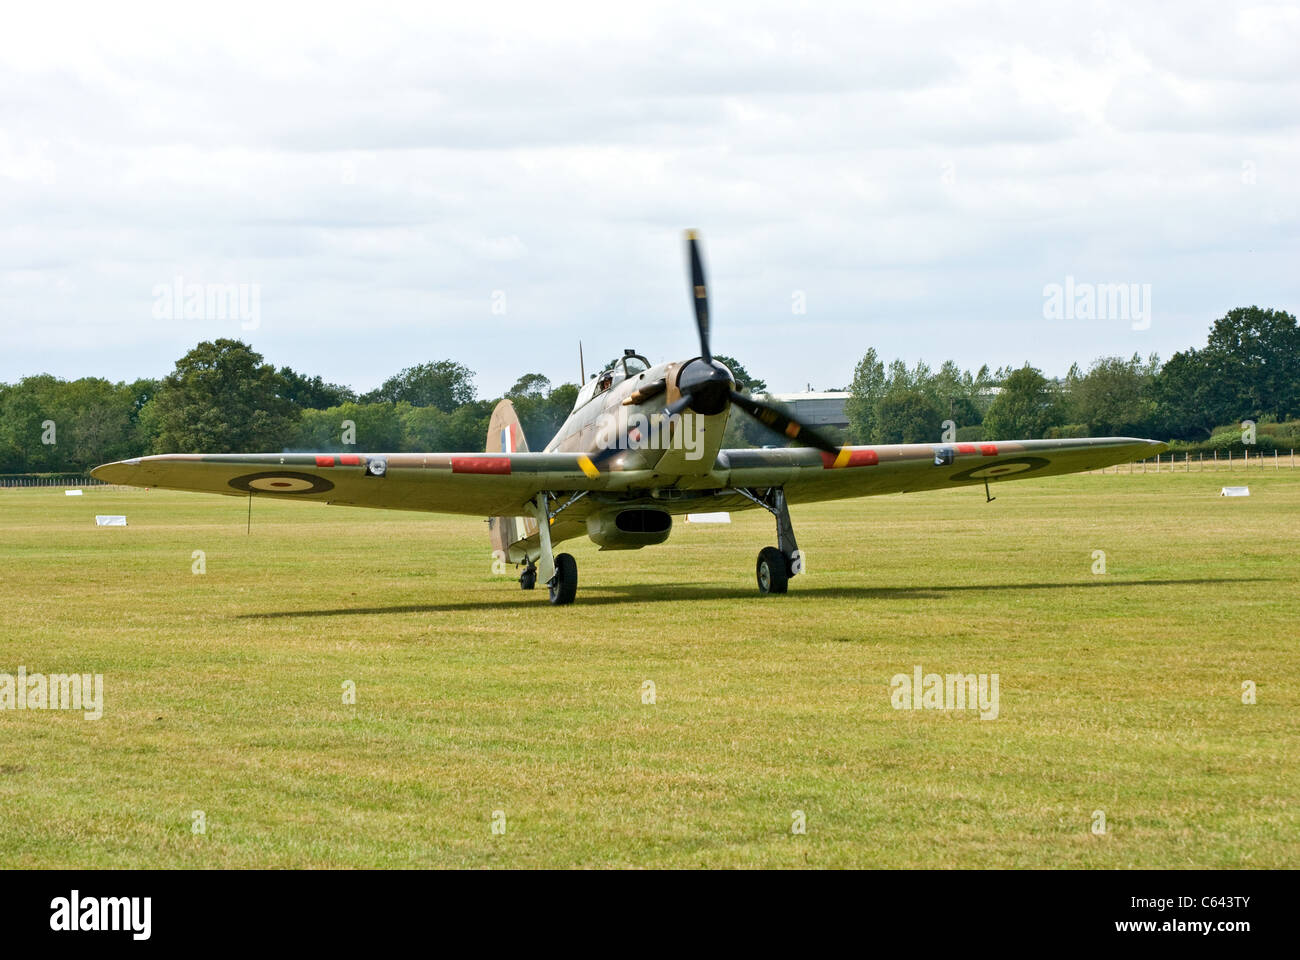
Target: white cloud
(380,172)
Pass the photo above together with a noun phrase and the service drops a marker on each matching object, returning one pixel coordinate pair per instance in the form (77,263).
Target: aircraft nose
(709,385)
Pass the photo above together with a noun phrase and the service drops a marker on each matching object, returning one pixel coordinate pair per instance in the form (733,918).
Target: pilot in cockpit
(629,366)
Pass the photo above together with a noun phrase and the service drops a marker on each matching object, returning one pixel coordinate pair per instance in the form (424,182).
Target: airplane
(642,445)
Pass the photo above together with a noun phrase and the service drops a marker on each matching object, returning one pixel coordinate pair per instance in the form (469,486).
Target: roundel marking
(1002,468)
(281,481)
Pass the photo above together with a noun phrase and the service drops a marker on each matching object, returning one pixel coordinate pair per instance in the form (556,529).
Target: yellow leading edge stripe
(588,467)
(842,458)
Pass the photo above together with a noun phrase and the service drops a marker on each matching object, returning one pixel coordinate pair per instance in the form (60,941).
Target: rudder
(505,435)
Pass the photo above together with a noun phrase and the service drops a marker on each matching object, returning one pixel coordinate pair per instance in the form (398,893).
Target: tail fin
(505,435)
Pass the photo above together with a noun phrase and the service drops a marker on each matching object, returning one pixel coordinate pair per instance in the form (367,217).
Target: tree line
(1248,370)
(222,397)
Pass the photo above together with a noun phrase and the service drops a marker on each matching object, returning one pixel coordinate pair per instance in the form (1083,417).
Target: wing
(500,484)
(809,475)
(478,484)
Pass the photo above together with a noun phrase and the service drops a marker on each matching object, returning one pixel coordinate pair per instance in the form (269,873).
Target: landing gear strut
(560,573)
(776,565)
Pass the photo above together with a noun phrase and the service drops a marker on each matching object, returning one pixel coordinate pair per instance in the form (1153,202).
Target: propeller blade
(678,405)
(783,423)
(700,293)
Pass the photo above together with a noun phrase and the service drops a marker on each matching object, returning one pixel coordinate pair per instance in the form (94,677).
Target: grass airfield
(1119,692)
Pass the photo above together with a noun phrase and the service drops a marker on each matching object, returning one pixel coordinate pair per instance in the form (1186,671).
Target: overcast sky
(491,183)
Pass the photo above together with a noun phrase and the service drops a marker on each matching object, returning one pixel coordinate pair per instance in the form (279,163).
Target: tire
(772,571)
(565,585)
(528,579)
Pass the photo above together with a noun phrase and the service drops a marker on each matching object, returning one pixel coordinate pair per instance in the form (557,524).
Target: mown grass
(1119,692)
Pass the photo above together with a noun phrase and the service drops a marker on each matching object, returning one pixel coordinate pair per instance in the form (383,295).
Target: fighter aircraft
(643,445)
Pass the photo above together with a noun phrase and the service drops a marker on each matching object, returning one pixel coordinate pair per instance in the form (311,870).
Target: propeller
(780,421)
(700,292)
(707,386)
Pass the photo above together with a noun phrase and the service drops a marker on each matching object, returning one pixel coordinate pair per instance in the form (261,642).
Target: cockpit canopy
(631,364)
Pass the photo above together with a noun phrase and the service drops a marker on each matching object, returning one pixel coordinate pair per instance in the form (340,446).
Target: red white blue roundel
(281,481)
(1002,468)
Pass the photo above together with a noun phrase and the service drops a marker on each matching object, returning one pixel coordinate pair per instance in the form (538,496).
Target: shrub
(1068,431)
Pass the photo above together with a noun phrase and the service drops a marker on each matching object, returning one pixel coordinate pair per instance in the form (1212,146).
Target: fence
(48,480)
(1186,463)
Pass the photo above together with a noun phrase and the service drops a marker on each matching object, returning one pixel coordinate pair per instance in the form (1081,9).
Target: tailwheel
(773,571)
(564,585)
(528,579)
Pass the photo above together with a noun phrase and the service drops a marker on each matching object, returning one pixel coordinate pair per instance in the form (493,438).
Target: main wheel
(528,579)
(565,585)
(773,574)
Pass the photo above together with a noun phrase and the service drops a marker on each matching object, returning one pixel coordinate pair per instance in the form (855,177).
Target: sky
(375,186)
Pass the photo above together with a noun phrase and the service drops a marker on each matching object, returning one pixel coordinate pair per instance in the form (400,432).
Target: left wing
(809,475)
(478,484)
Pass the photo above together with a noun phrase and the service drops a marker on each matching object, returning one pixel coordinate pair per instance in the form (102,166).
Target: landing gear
(564,585)
(773,572)
(776,565)
(560,572)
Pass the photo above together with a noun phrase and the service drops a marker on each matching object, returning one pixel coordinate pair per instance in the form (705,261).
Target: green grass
(1119,692)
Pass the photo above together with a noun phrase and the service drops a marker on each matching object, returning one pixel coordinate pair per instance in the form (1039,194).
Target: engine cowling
(629,528)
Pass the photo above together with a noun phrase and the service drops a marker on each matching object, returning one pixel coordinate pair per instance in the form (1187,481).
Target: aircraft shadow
(599,595)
